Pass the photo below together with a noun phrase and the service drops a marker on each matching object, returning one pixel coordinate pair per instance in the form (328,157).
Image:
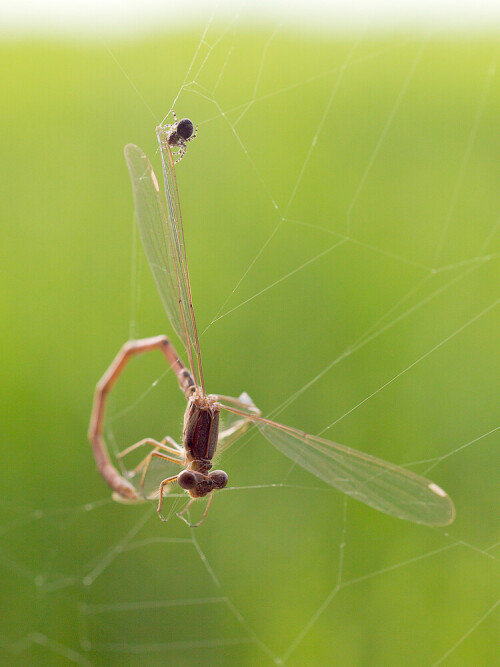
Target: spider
(178,134)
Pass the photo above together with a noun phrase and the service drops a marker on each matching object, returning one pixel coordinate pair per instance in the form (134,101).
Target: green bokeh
(407,160)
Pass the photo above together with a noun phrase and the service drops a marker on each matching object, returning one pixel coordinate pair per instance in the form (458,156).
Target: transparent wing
(382,485)
(233,425)
(161,237)
(152,223)
(179,258)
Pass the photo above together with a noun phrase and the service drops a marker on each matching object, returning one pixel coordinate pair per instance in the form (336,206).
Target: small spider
(178,134)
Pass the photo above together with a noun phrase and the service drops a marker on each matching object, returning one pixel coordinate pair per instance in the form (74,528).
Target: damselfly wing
(162,236)
(382,485)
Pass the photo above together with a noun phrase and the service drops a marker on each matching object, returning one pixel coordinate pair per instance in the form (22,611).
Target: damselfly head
(185,128)
(198,484)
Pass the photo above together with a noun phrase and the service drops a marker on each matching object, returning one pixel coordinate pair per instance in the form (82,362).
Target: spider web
(211,593)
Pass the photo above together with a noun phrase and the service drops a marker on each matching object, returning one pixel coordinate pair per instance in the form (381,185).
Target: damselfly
(384,486)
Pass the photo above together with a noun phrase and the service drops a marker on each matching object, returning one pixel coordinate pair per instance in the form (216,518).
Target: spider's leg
(181,152)
(193,136)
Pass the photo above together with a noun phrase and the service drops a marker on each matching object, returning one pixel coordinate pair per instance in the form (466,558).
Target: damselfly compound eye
(218,478)
(187,479)
(185,128)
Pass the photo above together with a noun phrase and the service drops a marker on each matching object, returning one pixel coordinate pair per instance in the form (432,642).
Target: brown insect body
(200,436)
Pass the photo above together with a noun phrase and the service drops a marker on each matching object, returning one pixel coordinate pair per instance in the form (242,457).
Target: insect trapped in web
(382,485)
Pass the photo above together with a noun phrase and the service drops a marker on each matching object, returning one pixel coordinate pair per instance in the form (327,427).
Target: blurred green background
(388,145)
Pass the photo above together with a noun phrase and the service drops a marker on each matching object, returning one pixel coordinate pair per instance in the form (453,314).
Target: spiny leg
(181,152)
(174,449)
(169,480)
(193,136)
(148,460)
(195,525)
